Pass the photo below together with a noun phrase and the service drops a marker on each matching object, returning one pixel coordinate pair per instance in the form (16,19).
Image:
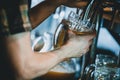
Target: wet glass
(106,68)
(107,73)
(78,25)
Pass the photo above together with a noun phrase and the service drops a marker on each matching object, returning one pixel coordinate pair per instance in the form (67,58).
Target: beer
(82,33)
(58,76)
(60,36)
(60,72)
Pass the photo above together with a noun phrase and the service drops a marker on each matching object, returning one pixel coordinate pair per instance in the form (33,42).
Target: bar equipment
(106,68)
(109,69)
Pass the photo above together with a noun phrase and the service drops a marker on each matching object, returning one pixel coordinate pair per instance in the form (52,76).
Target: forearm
(40,12)
(29,64)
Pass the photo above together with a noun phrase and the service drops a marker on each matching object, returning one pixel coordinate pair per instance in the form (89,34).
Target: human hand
(78,45)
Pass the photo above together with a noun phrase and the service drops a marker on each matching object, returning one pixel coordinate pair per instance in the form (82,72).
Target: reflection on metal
(45,42)
(59,14)
(107,41)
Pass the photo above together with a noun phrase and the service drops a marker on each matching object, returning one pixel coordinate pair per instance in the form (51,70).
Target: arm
(29,64)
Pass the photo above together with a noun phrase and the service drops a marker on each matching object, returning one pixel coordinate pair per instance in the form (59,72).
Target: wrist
(59,54)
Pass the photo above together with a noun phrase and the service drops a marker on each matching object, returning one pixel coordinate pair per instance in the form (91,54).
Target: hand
(78,45)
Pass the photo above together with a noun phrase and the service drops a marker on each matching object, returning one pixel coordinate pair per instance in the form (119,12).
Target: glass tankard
(106,68)
(79,27)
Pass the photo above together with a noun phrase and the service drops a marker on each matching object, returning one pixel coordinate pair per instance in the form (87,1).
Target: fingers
(88,46)
(90,36)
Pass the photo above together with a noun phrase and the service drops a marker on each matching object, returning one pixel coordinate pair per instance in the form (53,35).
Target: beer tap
(87,11)
(93,14)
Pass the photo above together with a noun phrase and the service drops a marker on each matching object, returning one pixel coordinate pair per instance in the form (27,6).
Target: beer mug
(106,68)
(105,60)
(107,73)
(66,69)
(80,26)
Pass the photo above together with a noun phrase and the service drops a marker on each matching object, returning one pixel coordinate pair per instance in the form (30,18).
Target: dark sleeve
(14,17)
